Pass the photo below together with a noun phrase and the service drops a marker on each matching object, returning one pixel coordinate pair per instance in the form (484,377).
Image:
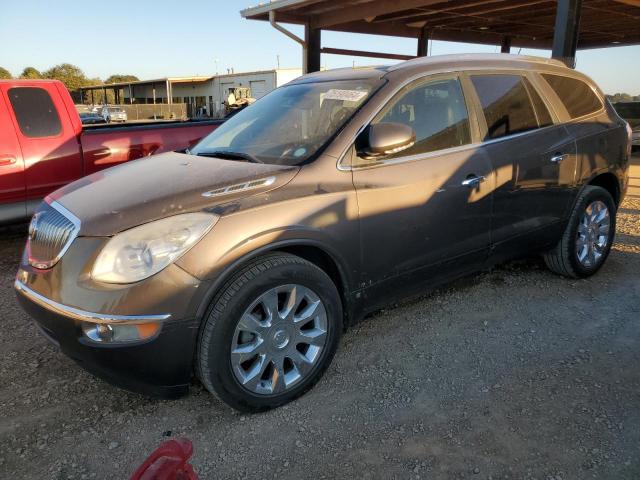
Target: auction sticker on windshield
(347,95)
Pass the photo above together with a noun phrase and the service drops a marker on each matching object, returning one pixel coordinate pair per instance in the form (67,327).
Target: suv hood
(122,197)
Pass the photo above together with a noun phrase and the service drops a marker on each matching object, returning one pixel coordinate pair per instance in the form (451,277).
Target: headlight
(136,254)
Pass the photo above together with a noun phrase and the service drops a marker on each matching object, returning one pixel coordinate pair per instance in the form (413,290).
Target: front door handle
(558,157)
(472,181)
(7,159)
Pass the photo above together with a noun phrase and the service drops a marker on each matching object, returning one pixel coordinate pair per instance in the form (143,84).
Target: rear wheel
(588,237)
(270,333)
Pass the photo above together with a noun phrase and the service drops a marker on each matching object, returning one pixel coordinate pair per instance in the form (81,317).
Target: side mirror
(382,139)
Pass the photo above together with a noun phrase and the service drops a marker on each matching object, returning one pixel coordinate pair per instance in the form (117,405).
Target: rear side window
(436,111)
(35,112)
(577,97)
(506,105)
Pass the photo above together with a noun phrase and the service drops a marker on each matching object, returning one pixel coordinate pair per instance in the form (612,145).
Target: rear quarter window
(578,98)
(35,112)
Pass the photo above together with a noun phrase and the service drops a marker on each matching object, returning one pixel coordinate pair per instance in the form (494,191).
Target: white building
(198,93)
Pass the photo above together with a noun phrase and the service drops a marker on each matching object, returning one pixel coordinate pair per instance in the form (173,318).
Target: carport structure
(152,91)
(560,25)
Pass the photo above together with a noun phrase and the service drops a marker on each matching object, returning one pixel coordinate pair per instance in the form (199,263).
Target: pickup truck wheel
(588,237)
(270,333)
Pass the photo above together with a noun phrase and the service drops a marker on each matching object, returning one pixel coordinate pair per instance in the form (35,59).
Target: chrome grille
(51,231)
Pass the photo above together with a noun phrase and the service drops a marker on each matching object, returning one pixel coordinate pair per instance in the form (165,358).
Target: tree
(121,78)
(70,75)
(31,73)
(5,74)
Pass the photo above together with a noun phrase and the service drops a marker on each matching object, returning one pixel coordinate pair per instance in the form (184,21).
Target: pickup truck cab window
(35,112)
(290,125)
(506,104)
(577,97)
(435,110)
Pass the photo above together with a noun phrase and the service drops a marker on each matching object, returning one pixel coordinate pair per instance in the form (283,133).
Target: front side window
(437,113)
(36,115)
(577,97)
(289,125)
(506,105)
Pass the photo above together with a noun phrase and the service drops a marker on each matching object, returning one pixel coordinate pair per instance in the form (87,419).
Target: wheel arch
(609,181)
(320,255)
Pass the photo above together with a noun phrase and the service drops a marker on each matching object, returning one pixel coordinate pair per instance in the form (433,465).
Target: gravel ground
(515,373)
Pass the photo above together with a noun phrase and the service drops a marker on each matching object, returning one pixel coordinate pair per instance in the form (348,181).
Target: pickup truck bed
(43,145)
(105,145)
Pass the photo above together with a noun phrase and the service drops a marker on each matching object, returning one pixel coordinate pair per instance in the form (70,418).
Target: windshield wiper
(229,155)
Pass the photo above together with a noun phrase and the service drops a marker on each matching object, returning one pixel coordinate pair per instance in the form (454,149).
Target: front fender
(236,260)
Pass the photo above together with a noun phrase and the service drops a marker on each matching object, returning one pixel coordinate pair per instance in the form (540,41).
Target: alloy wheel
(593,234)
(279,339)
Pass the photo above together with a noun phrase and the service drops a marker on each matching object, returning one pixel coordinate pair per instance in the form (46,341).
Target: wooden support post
(311,60)
(506,45)
(423,42)
(567,29)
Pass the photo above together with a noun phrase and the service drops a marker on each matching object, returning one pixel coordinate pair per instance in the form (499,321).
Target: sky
(160,38)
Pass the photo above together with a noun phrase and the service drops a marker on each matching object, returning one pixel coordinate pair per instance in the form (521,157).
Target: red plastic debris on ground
(168,462)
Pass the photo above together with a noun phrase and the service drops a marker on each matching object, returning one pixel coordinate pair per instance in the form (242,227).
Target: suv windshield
(289,125)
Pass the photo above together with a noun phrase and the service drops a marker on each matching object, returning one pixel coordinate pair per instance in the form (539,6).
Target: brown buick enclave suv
(241,261)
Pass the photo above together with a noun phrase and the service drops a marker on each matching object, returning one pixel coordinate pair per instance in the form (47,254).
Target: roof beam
(363,53)
(278,5)
(633,3)
(462,11)
(372,9)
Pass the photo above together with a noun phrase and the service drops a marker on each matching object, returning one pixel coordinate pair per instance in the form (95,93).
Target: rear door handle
(472,181)
(558,157)
(7,159)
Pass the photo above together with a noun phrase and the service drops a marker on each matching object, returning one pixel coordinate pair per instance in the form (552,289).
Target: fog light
(105,332)
(114,333)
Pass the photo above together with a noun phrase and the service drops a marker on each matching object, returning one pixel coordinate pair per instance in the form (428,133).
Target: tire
(564,258)
(218,368)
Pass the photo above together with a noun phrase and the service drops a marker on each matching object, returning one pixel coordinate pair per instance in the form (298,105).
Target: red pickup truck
(44,146)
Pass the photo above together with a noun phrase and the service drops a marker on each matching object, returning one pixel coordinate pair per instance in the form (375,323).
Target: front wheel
(270,333)
(588,237)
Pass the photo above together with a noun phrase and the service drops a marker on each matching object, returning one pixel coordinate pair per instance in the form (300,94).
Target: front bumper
(64,298)
(158,367)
